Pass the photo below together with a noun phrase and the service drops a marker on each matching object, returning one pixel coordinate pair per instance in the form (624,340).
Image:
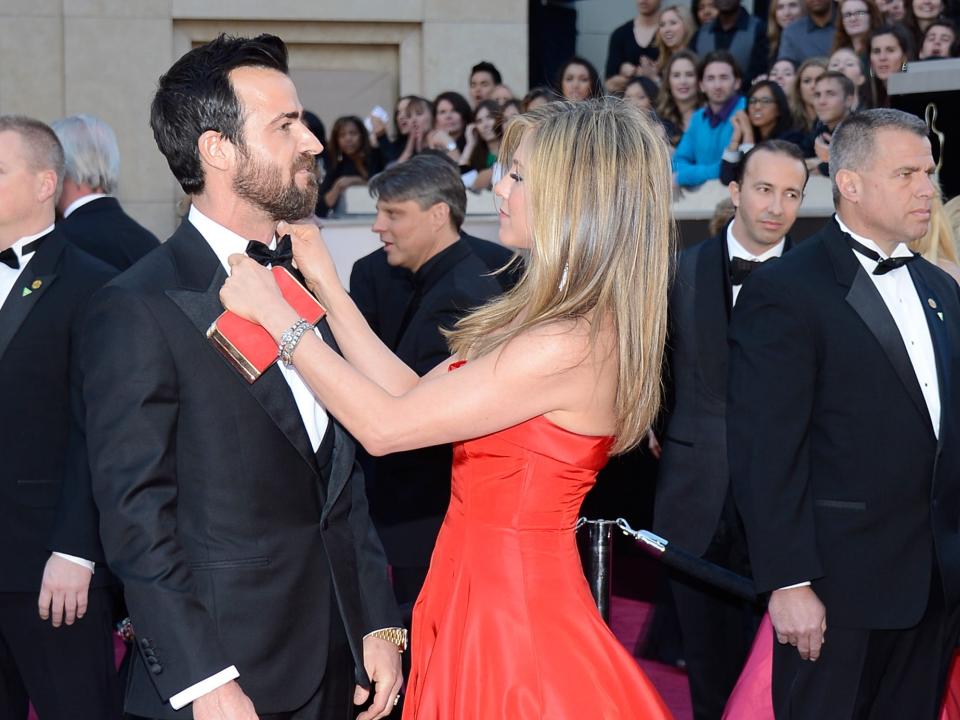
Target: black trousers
(867,674)
(67,672)
(717,629)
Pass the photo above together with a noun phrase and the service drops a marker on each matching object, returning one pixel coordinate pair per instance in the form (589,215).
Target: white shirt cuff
(185,697)
(88,564)
(791,587)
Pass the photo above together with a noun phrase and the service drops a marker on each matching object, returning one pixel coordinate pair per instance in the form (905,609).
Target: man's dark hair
(196,95)
(846,84)
(427,178)
(487,67)
(778,147)
(718,56)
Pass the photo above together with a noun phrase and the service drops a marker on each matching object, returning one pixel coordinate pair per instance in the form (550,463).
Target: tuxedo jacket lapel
(201,276)
(712,314)
(34,281)
(867,302)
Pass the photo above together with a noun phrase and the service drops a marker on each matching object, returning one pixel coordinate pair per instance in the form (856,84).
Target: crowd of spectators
(716,77)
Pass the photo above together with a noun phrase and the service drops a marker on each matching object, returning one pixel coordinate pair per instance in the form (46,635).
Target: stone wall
(60,57)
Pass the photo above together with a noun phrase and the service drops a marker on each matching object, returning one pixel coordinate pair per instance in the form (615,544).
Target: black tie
(265,256)
(884,265)
(9,256)
(740,269)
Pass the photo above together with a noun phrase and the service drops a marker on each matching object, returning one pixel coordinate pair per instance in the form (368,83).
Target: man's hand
(381,659)
(63,591)
(227,702)
(799,618)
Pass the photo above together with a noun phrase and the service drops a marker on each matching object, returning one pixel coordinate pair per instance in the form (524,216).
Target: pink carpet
(628,620)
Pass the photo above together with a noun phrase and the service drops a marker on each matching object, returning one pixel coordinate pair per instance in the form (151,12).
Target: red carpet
(628,620)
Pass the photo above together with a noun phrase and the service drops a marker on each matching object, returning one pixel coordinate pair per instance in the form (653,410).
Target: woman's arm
(541,371)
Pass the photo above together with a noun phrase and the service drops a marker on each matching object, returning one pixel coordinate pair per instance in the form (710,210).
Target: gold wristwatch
(397,636)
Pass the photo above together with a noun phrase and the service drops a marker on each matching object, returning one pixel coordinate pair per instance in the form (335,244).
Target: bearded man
(234,513)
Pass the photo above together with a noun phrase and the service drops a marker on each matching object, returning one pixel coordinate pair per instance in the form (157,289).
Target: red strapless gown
(505,627)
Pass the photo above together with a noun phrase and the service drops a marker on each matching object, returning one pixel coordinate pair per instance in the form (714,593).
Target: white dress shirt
(225,243)
(736,250)
(903,301)
(8,282)
(81,201)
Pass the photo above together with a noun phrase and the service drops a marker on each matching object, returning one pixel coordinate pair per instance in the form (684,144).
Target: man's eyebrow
(907,168)
(293,115)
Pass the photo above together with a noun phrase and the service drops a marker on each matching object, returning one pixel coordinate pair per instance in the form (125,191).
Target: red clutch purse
(247,346)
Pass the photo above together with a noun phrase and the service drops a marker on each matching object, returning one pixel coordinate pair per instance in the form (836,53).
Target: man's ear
(439,216)
(850,185)
(734,188)
(216,151)
(46,186)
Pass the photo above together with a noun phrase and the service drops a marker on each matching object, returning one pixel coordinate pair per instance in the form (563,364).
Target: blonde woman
(542,386)
(939,245)
(676,27)
(801,99)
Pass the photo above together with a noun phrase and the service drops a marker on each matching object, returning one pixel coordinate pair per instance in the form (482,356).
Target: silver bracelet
(290,338)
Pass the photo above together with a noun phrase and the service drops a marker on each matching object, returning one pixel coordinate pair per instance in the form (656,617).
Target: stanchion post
(598,562)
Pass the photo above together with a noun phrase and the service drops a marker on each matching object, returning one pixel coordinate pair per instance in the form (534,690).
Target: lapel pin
(940,315)
(932,303)
(37,283)
(27,291)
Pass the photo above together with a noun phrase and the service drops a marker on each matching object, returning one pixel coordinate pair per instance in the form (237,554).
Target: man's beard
(262,184)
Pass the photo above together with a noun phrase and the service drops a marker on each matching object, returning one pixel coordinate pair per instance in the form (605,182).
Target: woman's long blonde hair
(939,243)
(598,189)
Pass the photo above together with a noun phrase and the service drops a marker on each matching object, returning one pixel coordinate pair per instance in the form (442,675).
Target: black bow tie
(265,256)
(740,269)
(884,265)
(9,256)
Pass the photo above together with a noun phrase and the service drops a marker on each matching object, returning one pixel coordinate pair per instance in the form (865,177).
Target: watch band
(397,636)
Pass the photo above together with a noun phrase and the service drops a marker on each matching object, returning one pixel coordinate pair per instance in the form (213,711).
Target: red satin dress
(505,627)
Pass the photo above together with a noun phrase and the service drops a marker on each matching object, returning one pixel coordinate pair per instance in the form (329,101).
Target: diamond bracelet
(290,339)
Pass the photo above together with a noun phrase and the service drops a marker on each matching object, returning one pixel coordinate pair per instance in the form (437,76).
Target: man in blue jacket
(700,151)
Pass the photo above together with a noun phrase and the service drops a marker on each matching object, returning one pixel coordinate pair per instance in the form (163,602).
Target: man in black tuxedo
(693,506)
(844,440)
(92,219)
(234,513)
(64,666)
(420,209)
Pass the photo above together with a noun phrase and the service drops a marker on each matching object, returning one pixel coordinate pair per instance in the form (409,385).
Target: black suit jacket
(381,291)
(213,514)
(835,466)
(410,491)
(45,498)
(693,477)
(104,230)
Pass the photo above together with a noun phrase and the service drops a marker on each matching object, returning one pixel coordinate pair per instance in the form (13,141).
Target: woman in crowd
(801,100)
(890,50)
(767,117)
(544,383)
(846,61)
(578,80)
(483,144)
(784,73)
(782,13)
(893,11)
(351,161)
(421,133)
(641,92)
(633,49)
(510,109)
(453,116)
(675,30)
(940,40)
(538,97)
(391,147)
(919,15)
(704,11)
(679,95)
(858,18)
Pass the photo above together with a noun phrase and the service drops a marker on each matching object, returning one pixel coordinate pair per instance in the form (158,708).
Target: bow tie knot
(9,256)
(265,256)
(884,265)
(740,269)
